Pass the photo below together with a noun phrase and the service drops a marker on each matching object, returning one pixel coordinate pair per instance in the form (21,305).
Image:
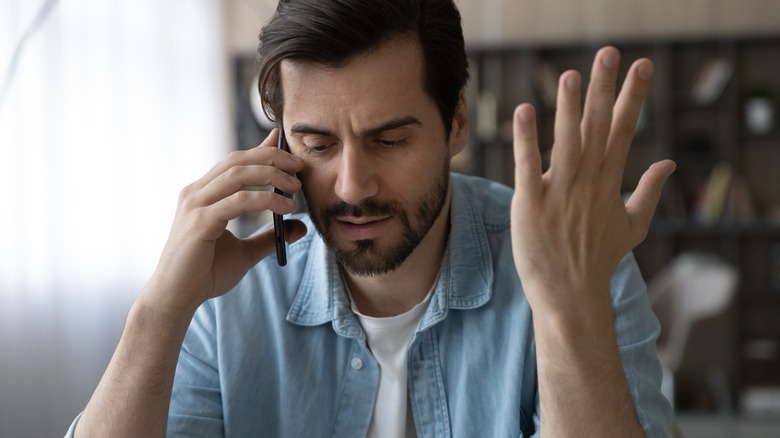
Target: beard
(368,258)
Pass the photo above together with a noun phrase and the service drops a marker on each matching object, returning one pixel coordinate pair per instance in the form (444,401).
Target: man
(411,305)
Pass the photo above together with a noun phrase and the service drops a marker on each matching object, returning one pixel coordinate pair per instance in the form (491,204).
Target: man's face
(377,159)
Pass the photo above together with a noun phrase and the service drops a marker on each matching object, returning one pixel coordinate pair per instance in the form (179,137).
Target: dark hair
(332,32)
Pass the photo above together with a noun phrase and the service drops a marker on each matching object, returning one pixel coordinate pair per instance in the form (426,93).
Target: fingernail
(610,59)
(526,114)
(645,71)
(573,83)
(672,168)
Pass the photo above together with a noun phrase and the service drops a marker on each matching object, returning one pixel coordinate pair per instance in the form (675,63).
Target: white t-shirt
(388,339)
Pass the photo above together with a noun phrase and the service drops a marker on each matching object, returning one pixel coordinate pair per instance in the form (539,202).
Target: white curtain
(107,109)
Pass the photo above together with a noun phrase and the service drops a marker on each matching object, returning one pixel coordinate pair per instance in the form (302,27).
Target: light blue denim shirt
(283,355)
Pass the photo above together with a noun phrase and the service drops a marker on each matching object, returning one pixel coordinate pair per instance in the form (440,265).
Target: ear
(459,134)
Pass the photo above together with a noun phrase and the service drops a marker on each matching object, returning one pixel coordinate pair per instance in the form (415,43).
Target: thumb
(641,206)
(294,230)
(261,245)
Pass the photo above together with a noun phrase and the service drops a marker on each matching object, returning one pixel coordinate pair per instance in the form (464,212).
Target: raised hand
(570,226)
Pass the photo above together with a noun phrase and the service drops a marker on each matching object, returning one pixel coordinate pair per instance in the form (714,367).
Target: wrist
(572,317)
(567,298)
(170,298)
(153,308)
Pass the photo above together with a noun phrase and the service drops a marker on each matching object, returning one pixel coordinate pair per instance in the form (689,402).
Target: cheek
(316,184)
(424,175)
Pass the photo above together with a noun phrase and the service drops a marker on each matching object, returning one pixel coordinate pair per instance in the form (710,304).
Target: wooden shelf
(669,228)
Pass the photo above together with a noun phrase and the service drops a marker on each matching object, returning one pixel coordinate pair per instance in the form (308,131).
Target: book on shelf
(711,81)
(487,116)
(724,198)
(547,75)
(739,207)
(712,197)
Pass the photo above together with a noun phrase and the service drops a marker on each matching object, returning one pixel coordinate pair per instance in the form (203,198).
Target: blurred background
(107,109)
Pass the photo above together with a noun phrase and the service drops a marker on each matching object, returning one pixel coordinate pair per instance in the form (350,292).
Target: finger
(642,204)
(626,113)
(265,153)
(261,245)
(237,178)
(597,113)
(528,161)
(235,157)
(567,150)
(246,201)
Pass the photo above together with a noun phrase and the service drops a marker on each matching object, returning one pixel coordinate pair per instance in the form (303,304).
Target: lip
(362,228)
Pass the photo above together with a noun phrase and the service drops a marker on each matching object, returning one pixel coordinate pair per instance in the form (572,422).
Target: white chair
(692,288)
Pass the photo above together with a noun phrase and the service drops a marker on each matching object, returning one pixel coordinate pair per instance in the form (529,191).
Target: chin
(367,258)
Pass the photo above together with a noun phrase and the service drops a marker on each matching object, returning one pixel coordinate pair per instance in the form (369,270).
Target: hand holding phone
(281,245)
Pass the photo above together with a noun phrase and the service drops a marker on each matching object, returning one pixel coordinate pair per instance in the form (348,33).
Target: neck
(398,291)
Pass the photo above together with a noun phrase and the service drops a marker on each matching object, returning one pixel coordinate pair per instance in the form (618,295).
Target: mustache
(367,208)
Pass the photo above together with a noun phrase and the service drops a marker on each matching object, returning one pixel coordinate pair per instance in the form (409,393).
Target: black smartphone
(281,248)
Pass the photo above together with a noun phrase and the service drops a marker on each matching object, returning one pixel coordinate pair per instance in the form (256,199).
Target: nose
(356,180)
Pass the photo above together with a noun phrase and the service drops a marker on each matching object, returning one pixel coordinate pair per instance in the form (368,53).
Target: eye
(315,149)
(389,144)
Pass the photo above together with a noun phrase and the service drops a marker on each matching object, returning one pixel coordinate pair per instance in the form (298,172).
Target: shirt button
(357,363)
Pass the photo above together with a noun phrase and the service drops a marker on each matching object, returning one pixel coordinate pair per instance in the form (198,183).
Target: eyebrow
(303,128)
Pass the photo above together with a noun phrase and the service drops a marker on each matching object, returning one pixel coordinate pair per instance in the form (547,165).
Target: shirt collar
(464,282)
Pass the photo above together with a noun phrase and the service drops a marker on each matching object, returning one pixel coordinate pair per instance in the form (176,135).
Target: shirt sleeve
(196,400)
(72,429)
(637,331)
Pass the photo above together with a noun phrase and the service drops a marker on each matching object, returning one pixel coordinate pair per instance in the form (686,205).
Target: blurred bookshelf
(696,114)
(714,108)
